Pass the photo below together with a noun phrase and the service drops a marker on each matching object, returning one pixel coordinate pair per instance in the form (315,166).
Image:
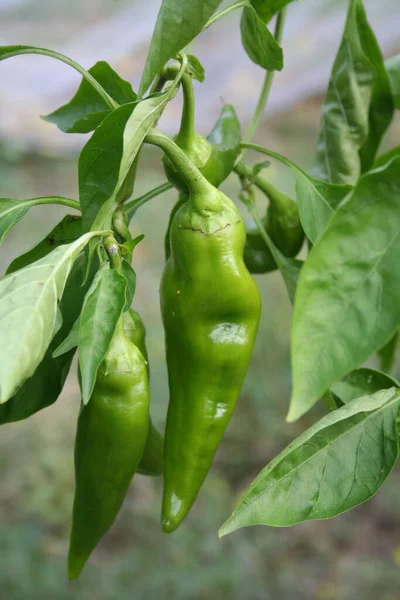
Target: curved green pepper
(152,461)
(281,222)
(211,310)
(111,435)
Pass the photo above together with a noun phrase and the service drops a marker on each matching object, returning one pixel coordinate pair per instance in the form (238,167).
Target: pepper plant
(74,289)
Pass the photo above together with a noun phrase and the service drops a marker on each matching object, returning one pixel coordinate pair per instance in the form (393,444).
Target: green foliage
(358,106)
(337,327)
(258,41)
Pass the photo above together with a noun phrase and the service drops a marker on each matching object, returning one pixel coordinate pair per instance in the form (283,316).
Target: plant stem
(279,157)
(43,51)
(225,11)
(112,249)
(133,206)
(202,195)
(266,88)
(263,184)
(187,128)
(269,243)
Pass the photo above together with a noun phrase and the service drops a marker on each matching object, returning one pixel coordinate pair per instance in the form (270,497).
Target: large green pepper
(211,310)
(281,222)
(111,436)
(152,461)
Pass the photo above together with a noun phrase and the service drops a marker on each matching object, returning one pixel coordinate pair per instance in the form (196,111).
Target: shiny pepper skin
(211,309)
(282,223)
(152,461)
(111,436)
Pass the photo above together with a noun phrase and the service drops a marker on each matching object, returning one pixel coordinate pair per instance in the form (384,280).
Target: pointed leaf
(87,109)
(44,387)
(259,43)
(178,23)
(12,210)
(70,342)
(347,303)
(225,137)
(338,463)
(101,310)
(358,106)
(195,68)
(28,310)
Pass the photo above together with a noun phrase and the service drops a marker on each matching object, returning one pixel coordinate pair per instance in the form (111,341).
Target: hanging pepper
(111,436)
(211,309)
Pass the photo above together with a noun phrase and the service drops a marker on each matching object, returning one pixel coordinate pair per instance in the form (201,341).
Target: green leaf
(195,68)
(87,109)
(347,303)
(336,464)
(387,353)
(28,311)
(317,201)
(12,210)
(130,245)
(266,9)
(178,23)
(44,387)
(130,278)
(358,106)
(393,69)
(258,41)
(99,164)
(101,311)
(70,342)
(362,382)
(225,138)
(387,156)
(68,230)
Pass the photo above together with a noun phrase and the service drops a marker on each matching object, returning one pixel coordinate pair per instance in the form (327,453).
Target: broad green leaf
(393,69)
(336,464)
(87,109)
(28,309)
(68,230)
(44,387)
(362,382)
(101,310)
(317,201)
(358,106)
(70,342)
(99,163)
(108,159)
(178,23)
(195,68)
(347,303)
(225,138)
(12,210)
(266,9)
(258,41)
(387,353)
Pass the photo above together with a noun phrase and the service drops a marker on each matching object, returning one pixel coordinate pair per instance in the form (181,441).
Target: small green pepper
(111,436)
(281,222)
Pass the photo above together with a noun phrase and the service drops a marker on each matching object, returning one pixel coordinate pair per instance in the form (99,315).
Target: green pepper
(211,310)
(281,222)
(111,436)
(214,156)
(152,461)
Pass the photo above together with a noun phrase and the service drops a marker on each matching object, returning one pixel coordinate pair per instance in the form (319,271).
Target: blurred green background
(356,555)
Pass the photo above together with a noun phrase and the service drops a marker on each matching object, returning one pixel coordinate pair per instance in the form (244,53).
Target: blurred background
(356,555)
